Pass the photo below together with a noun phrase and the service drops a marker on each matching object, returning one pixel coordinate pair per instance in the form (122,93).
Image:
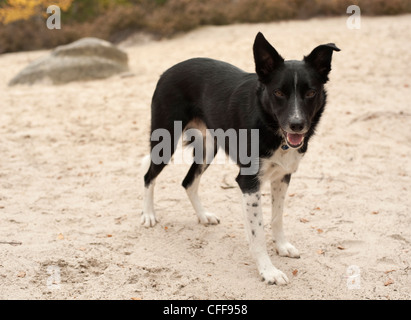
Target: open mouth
(294,140)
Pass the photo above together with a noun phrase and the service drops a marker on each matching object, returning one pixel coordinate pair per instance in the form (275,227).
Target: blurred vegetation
(23,22)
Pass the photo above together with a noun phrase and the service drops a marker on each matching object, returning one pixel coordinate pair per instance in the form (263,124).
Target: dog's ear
(266,58)
(320,59)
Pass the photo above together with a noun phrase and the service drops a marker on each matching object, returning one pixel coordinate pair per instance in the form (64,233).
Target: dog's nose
(297,126)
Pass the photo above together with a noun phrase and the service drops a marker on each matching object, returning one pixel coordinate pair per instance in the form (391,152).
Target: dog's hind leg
(191,183)
(155,166)
(148,217)
(192,179)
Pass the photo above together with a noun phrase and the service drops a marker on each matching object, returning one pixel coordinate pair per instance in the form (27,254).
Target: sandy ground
(71,186)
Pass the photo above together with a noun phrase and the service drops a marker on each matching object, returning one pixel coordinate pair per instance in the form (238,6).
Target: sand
(71,186)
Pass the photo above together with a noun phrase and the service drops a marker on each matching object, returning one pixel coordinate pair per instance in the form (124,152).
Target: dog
(283,101)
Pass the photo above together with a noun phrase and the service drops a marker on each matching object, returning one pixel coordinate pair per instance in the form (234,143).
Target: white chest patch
(282,162)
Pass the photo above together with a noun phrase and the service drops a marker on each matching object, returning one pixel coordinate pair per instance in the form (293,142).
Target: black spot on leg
(253,232)
(255,214)
(259,223)
(255,204)
(258,196)
(286,179)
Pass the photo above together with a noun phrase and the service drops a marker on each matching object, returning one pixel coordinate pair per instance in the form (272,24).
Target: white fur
(203,216)
(148,217)
(145,164)
(255,233)
(282,162)
(283,247)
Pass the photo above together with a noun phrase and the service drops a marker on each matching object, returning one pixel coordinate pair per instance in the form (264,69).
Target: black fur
(223,96)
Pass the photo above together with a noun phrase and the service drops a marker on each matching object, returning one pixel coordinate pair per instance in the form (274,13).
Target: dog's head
(293,90)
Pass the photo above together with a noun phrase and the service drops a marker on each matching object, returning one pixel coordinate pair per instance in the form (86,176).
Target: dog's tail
(145,164)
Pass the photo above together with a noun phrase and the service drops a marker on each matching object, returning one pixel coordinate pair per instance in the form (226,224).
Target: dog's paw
(148,219)
(208,218)
(286,249)
(274,276)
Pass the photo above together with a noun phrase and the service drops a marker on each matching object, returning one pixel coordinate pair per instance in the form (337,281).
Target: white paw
(208,218)
(286,249)
(274,276)
(148,219)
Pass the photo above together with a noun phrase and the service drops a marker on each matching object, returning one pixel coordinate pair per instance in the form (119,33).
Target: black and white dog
(282,102)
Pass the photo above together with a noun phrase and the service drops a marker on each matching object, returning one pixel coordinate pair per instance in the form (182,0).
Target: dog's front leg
(255,232)
(278,190)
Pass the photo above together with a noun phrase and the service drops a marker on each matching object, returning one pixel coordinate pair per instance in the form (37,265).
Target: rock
(85,59)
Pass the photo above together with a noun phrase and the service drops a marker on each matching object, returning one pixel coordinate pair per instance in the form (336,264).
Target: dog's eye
(310,93)
(279,93)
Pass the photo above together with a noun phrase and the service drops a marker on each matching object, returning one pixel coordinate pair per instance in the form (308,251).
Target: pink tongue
(294,138)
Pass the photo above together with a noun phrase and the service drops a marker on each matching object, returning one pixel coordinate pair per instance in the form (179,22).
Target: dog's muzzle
(294,140)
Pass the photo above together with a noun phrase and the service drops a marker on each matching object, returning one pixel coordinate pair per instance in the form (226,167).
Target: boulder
(84,59)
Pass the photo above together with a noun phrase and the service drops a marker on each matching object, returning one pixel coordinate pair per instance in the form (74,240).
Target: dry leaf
(166,228)
(341,247)
(109,235)
(317,208)
(60,236)
(388,271)
(388,282)
(21,274)
(375,212)
(320,231)
(303,220)
(295,271)
(135,298)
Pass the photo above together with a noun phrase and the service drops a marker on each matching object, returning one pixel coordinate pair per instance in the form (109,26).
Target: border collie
(282,102)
